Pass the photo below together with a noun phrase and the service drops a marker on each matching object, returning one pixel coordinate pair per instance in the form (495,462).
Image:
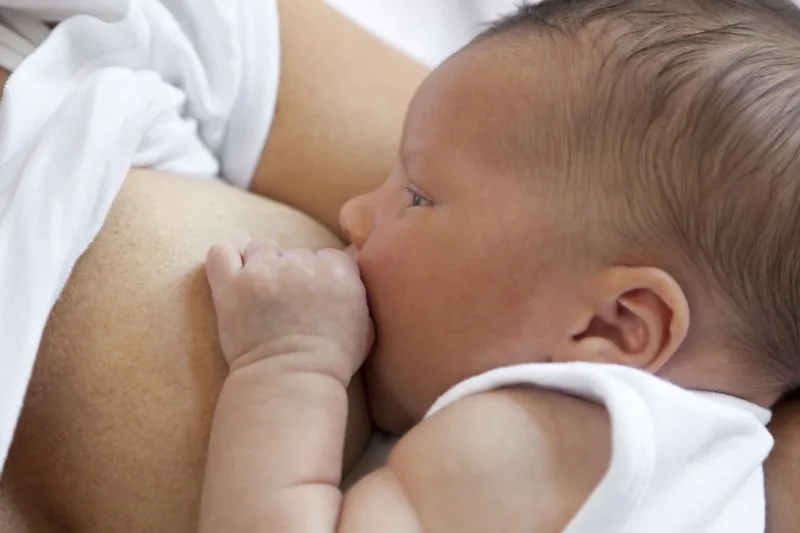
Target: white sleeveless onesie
(682,461)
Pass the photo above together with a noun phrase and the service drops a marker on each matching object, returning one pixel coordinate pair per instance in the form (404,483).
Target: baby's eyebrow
(411,161)
(404,157)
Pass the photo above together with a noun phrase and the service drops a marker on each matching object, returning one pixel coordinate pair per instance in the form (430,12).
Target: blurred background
(427,30)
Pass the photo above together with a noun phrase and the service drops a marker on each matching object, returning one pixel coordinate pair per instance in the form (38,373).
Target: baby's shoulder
(512,421)
(536,454)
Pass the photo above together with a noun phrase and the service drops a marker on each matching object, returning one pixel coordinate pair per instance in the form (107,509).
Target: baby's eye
(416,199)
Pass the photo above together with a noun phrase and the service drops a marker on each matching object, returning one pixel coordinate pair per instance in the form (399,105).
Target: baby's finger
(339,259)
(302,259)
(260,248)
(222,262)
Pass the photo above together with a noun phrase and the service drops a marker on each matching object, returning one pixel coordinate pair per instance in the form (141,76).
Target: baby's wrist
(299,353)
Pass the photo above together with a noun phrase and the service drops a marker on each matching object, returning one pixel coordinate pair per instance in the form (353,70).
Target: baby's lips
(352,253)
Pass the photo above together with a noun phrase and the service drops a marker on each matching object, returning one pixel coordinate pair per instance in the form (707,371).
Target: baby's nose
(356,220)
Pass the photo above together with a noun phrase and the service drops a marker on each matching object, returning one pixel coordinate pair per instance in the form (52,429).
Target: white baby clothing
(187,86)
(682,461)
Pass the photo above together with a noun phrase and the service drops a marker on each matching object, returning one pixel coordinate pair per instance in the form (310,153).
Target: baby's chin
(386,412)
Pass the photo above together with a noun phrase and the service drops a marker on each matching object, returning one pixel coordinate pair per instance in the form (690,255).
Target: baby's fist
(271,302)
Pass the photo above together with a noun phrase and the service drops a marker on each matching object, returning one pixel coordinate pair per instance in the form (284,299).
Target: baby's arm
(503,461)
(294,328)
(275,455)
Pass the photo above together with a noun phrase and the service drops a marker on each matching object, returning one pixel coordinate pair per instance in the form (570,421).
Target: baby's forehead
(498,99)
(498,75)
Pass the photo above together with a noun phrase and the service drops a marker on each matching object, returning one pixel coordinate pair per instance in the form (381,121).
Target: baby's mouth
(352,252)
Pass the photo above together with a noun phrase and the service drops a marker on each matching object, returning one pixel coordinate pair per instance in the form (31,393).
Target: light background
(427,30)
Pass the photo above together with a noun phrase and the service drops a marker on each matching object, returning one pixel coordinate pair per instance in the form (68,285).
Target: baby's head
(600,180)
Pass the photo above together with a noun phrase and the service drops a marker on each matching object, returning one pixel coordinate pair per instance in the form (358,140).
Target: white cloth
(682,461)
(187,86)
(55,10)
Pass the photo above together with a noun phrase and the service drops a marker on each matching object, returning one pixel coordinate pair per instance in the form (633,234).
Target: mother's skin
(783,470)
(114,431)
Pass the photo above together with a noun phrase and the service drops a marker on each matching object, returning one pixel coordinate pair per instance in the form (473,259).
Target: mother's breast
(114,431)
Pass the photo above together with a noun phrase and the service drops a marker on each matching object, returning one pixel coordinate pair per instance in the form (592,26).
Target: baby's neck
(719,371)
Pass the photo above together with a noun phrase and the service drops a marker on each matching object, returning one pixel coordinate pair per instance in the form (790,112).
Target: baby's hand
(271,302)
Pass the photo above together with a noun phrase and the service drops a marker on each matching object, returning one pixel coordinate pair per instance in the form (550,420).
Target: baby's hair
(689,130)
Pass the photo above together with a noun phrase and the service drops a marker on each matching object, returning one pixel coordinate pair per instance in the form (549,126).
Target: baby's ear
(634,316)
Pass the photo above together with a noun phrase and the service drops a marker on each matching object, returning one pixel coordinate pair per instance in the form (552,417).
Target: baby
(591,239)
